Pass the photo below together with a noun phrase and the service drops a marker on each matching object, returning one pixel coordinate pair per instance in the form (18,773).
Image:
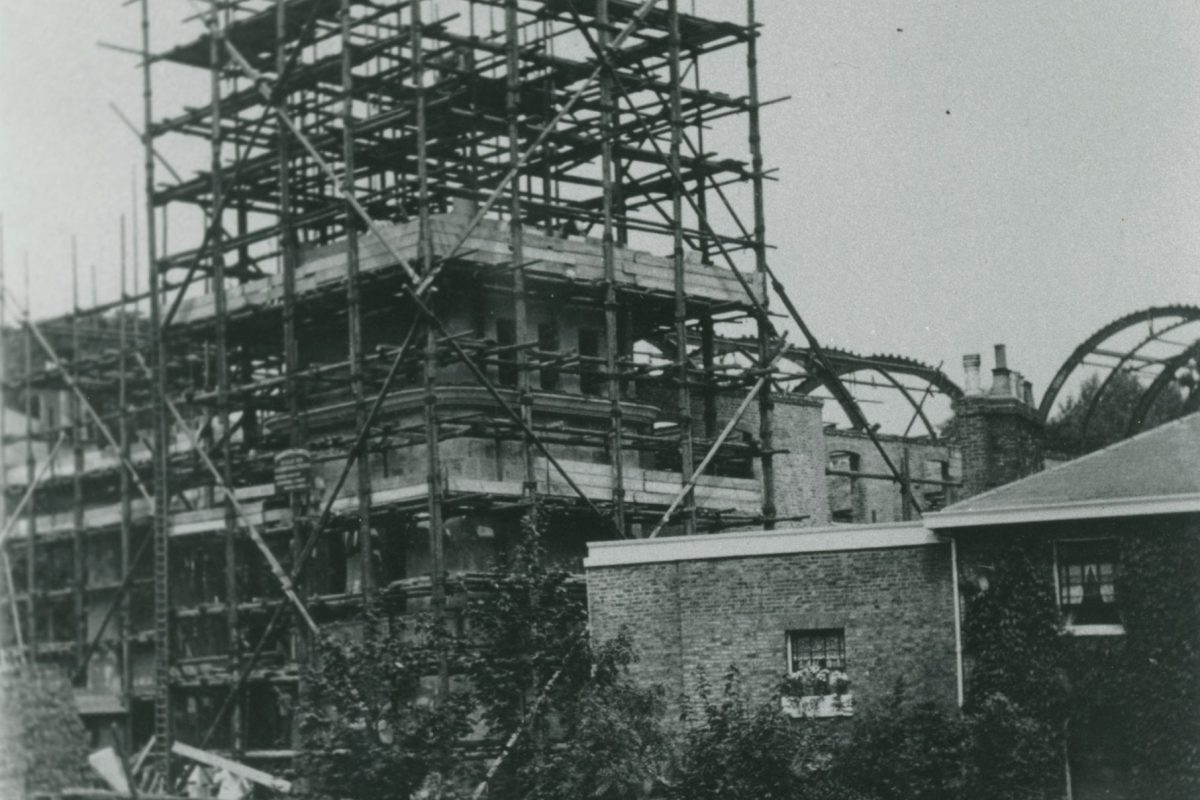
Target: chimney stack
(971,384)
(1001,383)
(998,429)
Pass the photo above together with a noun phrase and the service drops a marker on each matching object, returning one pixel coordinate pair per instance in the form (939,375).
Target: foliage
(908,752)
(1065,432)
(745,750)
(1148,681)
(1018,693)
(42,736)
(524,663)
(609,742)
(1160,675)
(369,729)
(524,628)
(1016,752)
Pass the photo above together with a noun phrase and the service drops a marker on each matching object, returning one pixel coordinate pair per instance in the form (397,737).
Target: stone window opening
(1086,581)
(591,382)
(844,490)
(548,345)
(506,336)
(817,683)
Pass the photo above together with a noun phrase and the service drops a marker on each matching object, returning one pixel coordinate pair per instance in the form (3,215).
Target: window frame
(591,382)
(1092,629)
(792,633)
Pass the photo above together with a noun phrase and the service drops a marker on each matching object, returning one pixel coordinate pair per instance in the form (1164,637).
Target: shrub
(905,752)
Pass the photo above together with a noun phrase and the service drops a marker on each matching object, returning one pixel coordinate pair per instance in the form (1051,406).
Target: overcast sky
(951,174)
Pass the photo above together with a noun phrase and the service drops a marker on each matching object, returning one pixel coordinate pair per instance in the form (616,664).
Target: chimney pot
(1001,357)
(971,363)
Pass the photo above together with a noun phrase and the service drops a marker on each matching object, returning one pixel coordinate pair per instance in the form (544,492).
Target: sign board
(293,470)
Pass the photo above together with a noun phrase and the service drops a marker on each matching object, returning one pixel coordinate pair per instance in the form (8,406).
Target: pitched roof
(1156,472)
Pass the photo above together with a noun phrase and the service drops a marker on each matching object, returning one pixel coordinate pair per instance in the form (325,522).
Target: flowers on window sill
(816,691)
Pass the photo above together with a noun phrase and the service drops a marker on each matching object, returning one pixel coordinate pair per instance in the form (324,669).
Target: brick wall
(876,500)
(1001,439)
(799,472)
(691,620)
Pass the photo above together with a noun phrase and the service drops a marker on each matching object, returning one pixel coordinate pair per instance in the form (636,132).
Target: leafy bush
(906,752)
(42,737)
(610,742)
(369,730)
(741,749)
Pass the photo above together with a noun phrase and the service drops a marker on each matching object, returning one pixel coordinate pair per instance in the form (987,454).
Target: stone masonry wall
(691,620)
(875,500)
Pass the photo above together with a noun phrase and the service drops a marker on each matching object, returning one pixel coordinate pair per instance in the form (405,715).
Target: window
(506,336)
(843,488)
(548,343)
(817,684)
(590,381)
(817,649)
(1087,589)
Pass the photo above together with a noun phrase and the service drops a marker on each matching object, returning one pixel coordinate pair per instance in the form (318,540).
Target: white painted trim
(758,543)
(1110,629)
(959,671)
(1073,510)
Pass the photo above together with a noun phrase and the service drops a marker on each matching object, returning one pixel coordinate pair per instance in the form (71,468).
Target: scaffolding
(456,259)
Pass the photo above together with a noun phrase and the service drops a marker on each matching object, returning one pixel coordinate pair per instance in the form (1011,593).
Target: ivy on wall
(1147,682)
(1017,687)
(1141,689)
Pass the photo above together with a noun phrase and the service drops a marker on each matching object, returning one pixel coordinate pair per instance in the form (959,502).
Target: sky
(950,175)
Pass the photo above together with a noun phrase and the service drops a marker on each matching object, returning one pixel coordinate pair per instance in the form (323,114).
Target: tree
(369,728)
(41,736)
(1109,419)
(523,662)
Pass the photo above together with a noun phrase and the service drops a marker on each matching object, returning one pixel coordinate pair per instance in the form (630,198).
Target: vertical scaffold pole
(684,411)
(611,307)
(221,345)
(124,619)
(288,246)
(766,401)
(12,590)
(162,558)
(437,539)
(354,308)
(516,237)
(8,576)
(78,542)
(30,482)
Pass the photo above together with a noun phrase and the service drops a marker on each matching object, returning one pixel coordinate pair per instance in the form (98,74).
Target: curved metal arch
(888,366)
(1094,403)
(1189,313)
(845,362)
(1137,420)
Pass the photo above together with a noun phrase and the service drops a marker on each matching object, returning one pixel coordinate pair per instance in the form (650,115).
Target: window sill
(818,706)
(1110,629)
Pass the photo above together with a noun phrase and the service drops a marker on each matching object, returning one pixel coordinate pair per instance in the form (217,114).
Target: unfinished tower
(445,260)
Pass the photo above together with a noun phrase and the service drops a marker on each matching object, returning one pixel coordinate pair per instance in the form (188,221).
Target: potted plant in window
(816,691)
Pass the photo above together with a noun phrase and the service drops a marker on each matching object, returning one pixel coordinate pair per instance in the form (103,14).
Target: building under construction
(446,260)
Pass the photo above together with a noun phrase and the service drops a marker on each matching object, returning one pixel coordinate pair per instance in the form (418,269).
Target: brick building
(1117,533)
(861,607)
(873,602)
